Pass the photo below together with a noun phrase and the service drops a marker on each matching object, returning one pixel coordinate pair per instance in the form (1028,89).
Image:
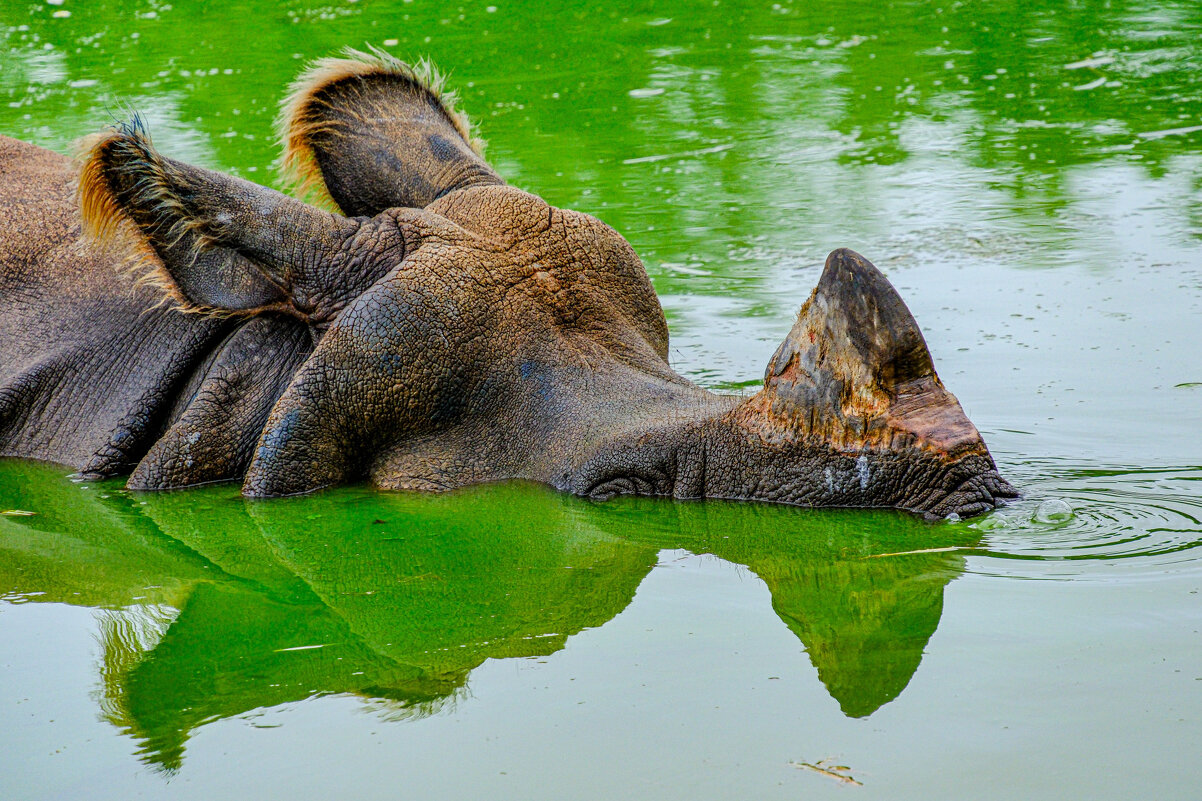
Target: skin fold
(439,328)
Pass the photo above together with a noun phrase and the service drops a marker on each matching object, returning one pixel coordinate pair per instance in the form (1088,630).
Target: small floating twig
(17,513)
(836,772)
(911,553)
(682,155)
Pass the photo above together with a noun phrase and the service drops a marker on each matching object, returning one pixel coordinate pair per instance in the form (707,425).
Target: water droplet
(1053,510)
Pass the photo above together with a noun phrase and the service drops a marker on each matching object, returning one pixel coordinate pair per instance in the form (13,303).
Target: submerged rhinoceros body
(449,330)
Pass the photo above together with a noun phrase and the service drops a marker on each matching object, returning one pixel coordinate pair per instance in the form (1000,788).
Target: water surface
(1029,174)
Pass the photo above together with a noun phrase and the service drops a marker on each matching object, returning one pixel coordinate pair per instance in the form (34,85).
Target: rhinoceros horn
(855,371)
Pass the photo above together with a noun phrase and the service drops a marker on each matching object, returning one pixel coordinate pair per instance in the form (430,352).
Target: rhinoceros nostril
(974,495)
(1000,488)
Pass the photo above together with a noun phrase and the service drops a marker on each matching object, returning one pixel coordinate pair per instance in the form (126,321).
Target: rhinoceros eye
(645,482)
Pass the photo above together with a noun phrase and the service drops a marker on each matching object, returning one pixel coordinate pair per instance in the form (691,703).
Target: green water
(1029,174)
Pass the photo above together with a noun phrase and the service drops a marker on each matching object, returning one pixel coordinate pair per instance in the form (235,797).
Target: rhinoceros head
(460,330)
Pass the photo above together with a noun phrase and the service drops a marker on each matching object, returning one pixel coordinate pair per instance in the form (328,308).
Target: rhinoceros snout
(975,495)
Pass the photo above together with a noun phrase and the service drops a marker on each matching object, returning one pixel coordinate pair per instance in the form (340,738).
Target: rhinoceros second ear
(370,133)
(224,243)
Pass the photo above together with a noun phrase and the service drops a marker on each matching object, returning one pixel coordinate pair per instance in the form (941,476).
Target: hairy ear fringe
(300,118)
(125,151)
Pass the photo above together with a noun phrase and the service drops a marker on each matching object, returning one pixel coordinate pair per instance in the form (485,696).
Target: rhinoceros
(437,328)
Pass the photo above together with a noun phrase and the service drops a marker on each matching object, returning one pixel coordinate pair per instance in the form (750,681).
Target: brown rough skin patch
(438,329)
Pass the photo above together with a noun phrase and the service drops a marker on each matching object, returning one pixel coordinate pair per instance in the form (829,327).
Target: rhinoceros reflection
(213,606)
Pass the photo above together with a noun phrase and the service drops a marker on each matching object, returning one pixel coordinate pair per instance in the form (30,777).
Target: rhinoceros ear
(369,132)
(210,241)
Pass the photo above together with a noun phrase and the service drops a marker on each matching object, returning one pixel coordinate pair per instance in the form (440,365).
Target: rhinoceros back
(90,363)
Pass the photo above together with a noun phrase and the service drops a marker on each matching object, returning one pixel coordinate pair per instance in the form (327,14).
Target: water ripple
(1136,520)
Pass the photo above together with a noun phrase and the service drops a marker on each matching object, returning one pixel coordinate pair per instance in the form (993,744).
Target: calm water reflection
(215,606)
(1028,173)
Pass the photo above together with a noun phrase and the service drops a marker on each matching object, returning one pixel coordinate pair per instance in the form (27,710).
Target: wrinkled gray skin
(449,330)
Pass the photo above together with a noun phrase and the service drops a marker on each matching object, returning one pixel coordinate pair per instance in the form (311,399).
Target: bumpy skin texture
(482,337)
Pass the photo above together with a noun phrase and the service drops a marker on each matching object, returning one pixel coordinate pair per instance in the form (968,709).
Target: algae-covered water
(1029,174)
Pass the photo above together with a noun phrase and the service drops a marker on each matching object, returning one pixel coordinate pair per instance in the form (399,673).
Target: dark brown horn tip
(878,324)
(861,290)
